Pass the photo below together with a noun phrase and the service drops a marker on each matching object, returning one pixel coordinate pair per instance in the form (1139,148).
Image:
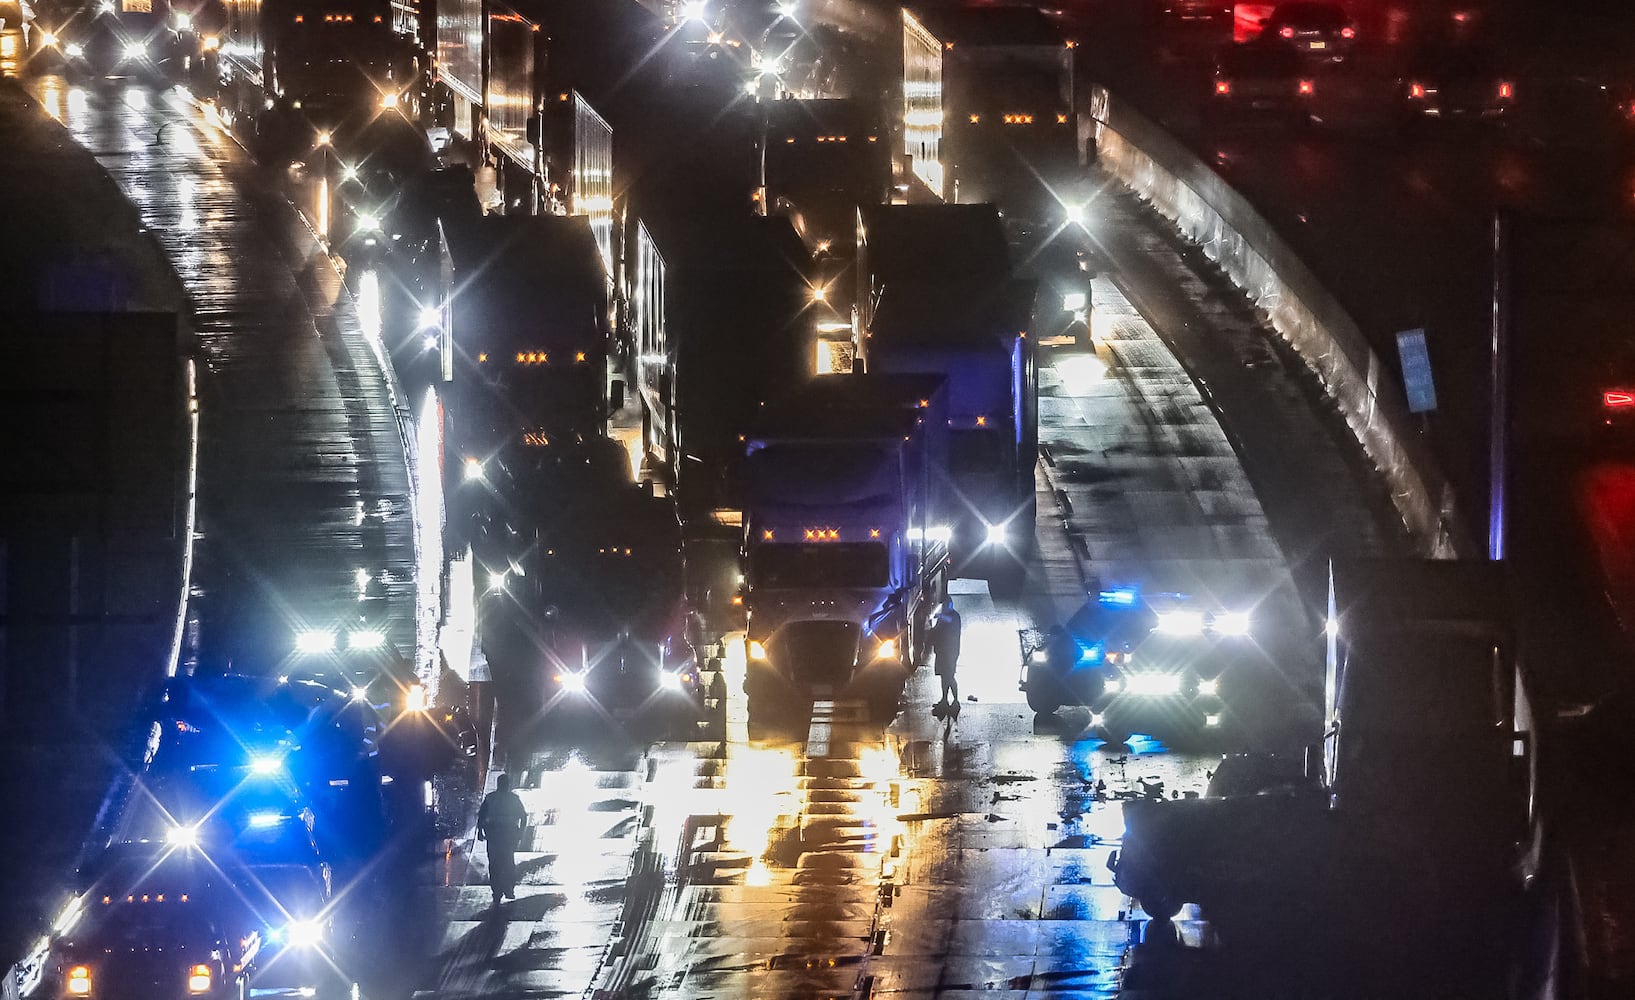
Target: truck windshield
(845,565)
(1452,677)
(172,923)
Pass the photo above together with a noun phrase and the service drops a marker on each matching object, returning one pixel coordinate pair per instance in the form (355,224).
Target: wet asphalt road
(305,499)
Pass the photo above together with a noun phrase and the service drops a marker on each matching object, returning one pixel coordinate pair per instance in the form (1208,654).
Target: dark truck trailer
(719,303)
(989,108)
(296,74)
(936,296)
(845,540)
(1428,772)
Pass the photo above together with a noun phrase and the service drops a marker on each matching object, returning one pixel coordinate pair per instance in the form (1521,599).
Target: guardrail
(1211,213)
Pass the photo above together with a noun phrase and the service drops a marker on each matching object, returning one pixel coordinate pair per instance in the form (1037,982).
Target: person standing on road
(501,821)
(945,653)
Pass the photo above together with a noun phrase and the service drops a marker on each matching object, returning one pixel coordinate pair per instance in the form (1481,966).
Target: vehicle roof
(525,249)
(689,239)
(949,313)
(1259,58)
(988,26)
(935,241)
(1312,11)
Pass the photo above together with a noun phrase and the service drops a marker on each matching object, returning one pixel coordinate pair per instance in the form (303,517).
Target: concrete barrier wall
(1209,212)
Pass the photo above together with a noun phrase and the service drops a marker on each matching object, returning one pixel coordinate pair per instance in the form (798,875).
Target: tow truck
(1155,661)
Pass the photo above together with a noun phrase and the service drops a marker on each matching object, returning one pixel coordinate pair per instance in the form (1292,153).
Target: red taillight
(1348,32)
(1617,399)
(1307,88)
(1506,91)
(1416,90)
(1287,32)
(1223,86)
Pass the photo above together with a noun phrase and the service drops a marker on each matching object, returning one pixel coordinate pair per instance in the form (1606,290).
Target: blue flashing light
(1121,597)
(1091,654)
(266,765)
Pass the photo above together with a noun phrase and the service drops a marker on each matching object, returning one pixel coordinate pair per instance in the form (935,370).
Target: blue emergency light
(1119,597)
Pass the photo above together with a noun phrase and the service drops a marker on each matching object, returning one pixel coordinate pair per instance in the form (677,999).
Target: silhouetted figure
(501,821)
(945,654)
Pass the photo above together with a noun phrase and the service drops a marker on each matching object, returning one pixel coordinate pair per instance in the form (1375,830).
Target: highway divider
(1212,214)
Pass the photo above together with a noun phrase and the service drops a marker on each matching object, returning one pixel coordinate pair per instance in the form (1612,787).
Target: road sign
(1416,371)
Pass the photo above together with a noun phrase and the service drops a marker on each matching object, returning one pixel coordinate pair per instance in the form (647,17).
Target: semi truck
(584,612)
(524,321)
(845,541)
(718,302)
(935,295)
(298,75)
(1427,764)
(989,108)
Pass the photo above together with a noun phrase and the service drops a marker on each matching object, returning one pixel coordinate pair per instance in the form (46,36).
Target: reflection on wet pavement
(303,479)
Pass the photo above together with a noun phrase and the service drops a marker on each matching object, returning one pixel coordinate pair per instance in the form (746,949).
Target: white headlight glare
(1153,685)
(996,534)
(886,650)
(74,49)
(1234,623)
(182,836)
(314,642)
(1073,301)
(1113,685)
(571,682)
(135,50)
(670,679)
(368,223)
(1180,622)
(756,650)
(304,933)
(1209,688)
(1038,656)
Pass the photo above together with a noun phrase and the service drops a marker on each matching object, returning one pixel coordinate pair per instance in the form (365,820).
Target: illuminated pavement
(306,518)
(845,860)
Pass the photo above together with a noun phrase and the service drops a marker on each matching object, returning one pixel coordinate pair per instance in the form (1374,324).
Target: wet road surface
(305,498)
(840,859)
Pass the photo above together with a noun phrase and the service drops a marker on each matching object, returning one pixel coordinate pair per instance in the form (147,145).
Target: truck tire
(1043,697)
(1160,908)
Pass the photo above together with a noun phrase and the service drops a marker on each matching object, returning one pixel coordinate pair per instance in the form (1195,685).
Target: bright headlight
(756,650)
(1074,214)
(1113,685)
(474,469)
(323,138)
(496,581)
(1232,623)
(571,681)
(1209,688)
(670,680)
(135,50)
(198,980)
(369,638)
(1180,622)
(1153,685)
(314,642)
(416,699)
(184,22)
(182,836)
(368,223)
(996,534)
(430,316)
(1038,656)
(388,100)
(886,650)
(1073,301)
(74,49)
(304,933)
(47,39)
(79,981)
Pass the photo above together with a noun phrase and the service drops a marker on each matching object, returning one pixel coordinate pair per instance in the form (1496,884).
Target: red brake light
(1506,92)
(1287,32)
(1348,32)
(1307,88)
(1416,90)
(1223,86)
(1617,399)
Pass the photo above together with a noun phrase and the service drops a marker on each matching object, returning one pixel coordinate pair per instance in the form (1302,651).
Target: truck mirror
(615,394)
(536,129)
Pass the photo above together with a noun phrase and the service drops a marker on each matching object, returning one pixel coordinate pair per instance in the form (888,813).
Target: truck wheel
(1160,908)
(1042,696)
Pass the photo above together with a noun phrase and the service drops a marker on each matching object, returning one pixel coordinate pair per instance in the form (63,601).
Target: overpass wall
(1210,213)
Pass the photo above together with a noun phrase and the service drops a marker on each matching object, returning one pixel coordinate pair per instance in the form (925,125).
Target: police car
(1155,663)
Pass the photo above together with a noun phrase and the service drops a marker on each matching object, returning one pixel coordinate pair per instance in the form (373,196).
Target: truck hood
(774,609)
